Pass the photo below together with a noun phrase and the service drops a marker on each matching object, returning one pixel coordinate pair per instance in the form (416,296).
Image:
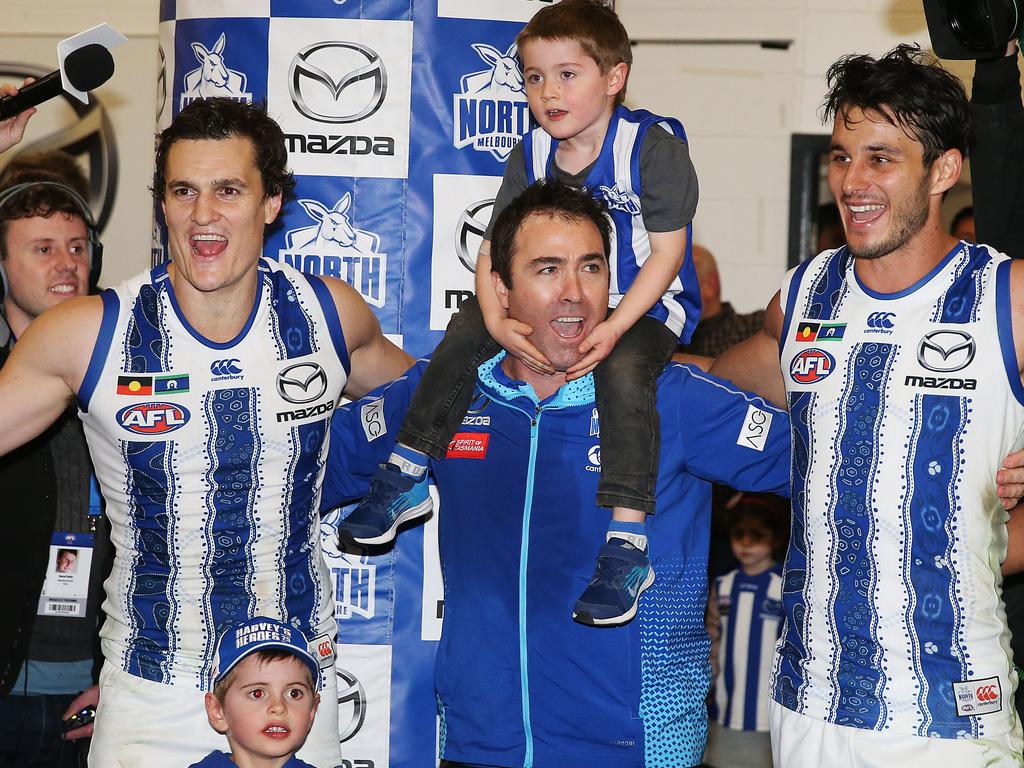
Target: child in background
(264,696)
(744,620)
(576,57)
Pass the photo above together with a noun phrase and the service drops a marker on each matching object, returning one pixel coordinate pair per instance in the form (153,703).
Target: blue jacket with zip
(519,683)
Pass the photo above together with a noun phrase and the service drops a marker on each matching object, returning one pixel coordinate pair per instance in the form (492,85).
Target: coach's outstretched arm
(46,368)
(753,364)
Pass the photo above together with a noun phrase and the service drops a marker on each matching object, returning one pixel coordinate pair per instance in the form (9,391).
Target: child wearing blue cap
(264,696)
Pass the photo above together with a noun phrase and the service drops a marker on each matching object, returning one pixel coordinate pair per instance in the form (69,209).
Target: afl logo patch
(153,418)
(811,366)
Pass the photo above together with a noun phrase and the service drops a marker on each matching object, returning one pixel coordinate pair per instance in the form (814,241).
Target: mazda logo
(470,231)
(337,82)
(91,137)
(946,351)
(351,700)
(302,383)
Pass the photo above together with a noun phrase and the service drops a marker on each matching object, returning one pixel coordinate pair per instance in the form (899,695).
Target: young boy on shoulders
(576,57)
(264,696)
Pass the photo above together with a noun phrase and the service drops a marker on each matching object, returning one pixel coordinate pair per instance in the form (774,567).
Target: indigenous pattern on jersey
(750,610)
(903,407)
(210,457)
(615,178)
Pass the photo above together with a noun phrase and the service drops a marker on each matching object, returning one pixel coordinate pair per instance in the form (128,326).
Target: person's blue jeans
(30,732)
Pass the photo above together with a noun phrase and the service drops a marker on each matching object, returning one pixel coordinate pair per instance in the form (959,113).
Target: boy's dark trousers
(626,391)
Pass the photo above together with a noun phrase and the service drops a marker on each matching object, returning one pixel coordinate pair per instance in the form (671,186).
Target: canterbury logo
(987,693)
(228,367)
(881,320)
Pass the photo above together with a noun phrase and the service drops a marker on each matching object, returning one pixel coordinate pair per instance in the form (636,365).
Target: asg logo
(491,112)
(332,246)
(881,321)
(987,693)
(946,351)
(213,77)
(226,368)
(337,82)
(371,416)
(153,418)
(620,200)
(351,705)
(811,366)
(302,383)
(469,232)
(594,457)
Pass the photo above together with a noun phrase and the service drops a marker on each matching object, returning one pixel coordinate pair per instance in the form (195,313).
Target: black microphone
(86,68)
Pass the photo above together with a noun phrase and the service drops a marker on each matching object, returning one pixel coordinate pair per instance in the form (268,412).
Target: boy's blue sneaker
(394,498)
(623,572)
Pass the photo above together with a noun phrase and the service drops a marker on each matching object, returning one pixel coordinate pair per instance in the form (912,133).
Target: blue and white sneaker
(394,498)
(622,573)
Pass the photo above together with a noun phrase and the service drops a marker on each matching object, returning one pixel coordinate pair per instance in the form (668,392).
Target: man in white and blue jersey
(205,387)
(901,358)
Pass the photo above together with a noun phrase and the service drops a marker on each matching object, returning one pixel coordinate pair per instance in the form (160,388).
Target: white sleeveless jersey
(210,458)
(903,407)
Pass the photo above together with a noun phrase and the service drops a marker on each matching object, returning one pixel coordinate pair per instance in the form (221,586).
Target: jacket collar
(493,380)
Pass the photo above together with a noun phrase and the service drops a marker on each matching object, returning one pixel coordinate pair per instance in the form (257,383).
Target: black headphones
(95,247)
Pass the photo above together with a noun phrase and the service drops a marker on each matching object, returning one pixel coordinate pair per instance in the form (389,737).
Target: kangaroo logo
(213,77)
(501,78)
(619,199)
(334,247)
(491,111)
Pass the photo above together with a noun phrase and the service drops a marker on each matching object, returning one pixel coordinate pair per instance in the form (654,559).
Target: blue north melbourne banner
(399,116)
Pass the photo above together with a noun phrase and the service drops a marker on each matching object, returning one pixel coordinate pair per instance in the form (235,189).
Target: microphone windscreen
(89,67)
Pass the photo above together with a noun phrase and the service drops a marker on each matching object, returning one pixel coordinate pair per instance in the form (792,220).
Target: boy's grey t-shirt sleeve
(512,184)
(668,182)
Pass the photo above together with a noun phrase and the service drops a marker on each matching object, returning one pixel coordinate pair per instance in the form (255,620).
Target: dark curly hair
(222,118)
(549,198)
(910,90)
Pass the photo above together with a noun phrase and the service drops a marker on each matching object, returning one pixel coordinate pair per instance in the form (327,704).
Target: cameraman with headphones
(49,252)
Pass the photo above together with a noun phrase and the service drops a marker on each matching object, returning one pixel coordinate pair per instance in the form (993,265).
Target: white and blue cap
(259,634)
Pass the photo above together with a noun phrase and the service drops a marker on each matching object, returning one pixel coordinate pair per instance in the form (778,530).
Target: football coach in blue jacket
(518,681)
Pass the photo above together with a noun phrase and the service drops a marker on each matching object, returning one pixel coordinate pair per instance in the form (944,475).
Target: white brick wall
(741,104)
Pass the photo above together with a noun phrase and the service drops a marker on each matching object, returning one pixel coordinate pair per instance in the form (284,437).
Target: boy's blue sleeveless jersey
(520,683)
(615,178)
(750,611)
